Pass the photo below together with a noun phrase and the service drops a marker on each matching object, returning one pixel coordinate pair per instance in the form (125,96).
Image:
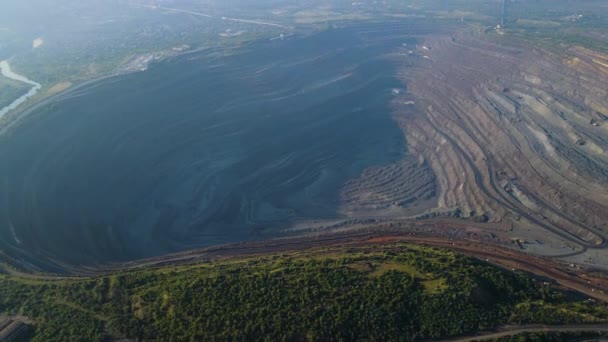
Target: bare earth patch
(59,87)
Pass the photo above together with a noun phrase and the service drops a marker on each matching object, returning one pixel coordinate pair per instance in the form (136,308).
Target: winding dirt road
(564,275)
(516,330)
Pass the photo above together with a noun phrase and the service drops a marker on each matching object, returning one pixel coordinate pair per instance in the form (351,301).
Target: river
(5,68)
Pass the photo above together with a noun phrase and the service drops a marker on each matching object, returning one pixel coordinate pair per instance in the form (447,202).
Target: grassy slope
(398,292)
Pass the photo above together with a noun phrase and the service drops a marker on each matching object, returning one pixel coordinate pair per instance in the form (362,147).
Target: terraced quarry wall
(514,133)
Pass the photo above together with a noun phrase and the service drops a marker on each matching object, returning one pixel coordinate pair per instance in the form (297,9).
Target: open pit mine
(449,132)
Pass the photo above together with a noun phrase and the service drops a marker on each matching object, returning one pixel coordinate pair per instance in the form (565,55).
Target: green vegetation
(11,90)
(397,292)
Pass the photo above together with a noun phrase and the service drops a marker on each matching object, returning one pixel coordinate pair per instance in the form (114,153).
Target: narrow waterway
(6,71)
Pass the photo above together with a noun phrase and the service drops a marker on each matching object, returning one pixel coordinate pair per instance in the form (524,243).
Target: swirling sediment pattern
(199,150)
